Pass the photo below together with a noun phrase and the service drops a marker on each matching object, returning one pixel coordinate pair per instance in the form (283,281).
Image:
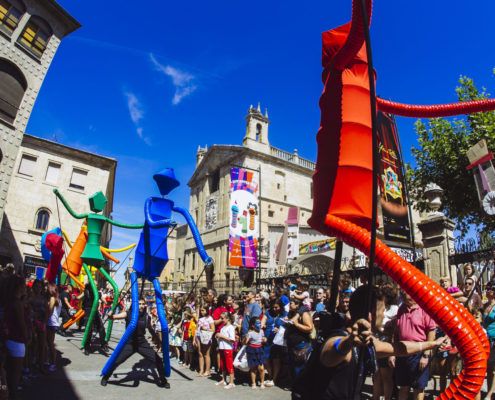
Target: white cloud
(135,108)
(183,81)
(136,113)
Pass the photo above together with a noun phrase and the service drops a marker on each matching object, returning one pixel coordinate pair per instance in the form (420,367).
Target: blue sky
(148,85)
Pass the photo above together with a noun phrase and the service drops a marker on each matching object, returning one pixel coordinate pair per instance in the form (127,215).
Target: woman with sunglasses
(489,325)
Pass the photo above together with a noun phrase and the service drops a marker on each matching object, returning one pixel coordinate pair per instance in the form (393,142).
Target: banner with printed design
(393,200)
(244,218)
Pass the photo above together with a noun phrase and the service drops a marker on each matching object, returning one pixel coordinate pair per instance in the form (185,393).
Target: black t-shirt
(342,382)
(87,299)
(65,296)
(142,324)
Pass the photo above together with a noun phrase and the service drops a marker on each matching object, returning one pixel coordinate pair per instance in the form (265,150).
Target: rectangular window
(9,17)
(52,173)
(34,39)
(215,181)
(78,179)
(271,214)
(28,163)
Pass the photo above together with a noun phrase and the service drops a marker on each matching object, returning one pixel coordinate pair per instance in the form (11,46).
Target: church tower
(256,137)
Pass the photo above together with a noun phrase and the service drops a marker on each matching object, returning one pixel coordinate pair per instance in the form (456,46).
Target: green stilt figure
(92,254)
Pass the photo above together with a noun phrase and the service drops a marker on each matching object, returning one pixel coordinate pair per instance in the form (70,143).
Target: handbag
(279,337)
(241,362)
(205,336)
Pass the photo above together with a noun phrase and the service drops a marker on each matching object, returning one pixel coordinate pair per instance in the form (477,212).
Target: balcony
(292,157)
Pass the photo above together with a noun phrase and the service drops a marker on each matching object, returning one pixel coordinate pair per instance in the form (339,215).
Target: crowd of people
(276,331)
(285,335)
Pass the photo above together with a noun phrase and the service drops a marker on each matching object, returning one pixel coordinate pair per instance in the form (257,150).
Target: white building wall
(28,194)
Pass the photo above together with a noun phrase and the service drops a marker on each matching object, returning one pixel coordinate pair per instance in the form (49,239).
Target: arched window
(42,219)
(10,14)
(258,132)
(36,35)
(13,85)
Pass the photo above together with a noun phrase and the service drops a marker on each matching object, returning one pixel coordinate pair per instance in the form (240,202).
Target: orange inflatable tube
(342,186)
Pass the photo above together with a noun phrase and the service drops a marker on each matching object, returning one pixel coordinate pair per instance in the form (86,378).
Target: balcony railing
(292,157)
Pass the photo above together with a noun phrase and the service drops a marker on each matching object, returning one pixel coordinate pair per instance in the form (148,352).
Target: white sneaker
(221,383)
(230,386)
(269,383)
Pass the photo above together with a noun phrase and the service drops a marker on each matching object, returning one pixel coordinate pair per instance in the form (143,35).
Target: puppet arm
(126,226)
(197,238)
(68,207)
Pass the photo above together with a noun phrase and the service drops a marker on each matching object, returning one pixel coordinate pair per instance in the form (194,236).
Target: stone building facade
(32,208)
(30,33)
(285,183)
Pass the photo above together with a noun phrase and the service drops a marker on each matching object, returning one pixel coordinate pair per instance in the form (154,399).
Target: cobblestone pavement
(79,378)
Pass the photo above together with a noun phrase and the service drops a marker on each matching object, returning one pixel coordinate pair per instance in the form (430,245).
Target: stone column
(438,240)
(438,237)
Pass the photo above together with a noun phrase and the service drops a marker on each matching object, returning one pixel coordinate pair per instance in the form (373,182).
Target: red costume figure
(343,188)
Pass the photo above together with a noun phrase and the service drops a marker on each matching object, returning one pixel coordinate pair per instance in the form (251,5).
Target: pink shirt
(413,324)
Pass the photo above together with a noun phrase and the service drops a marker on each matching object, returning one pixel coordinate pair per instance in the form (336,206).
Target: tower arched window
(258,132)
(13,85)
(36,35)
(11,12)
(42,219)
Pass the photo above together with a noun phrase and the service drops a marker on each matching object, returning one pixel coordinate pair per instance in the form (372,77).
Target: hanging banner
(244,218)
(391,181)
(319,246)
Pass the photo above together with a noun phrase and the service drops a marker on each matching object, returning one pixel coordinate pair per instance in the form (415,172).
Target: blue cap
(166,181)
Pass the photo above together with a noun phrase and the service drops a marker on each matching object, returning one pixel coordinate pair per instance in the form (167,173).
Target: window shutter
(52,173)
(78,179)
(27,166)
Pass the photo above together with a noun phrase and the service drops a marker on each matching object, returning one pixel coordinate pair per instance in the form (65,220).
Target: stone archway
(311,264)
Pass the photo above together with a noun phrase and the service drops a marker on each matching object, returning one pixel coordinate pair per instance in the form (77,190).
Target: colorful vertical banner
(391,180)
(244,218)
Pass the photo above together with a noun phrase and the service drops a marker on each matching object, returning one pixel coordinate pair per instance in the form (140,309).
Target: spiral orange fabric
(437,110)
(431,297)
(342,187)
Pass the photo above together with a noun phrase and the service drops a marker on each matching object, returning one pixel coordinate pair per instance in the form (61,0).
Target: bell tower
(256,136)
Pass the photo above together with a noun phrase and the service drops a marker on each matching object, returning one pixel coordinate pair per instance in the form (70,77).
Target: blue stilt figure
(151,257)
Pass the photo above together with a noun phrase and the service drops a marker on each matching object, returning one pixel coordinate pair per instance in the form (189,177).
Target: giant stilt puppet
(343,186)
(92,254)
(151,257)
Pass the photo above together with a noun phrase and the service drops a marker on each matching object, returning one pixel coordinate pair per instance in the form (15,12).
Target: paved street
(79,379)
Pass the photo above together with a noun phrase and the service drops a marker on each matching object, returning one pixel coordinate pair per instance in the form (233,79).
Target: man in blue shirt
(252,309)
(320,299)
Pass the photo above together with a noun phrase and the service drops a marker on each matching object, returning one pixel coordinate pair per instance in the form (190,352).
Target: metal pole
(334,292)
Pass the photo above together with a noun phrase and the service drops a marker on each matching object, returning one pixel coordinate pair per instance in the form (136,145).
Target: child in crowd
(226,339)
(255,355)
(204,334)
(175,337)
(188,326)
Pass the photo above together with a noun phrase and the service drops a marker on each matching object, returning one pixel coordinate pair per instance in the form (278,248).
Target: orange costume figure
(73,265)
(343,188)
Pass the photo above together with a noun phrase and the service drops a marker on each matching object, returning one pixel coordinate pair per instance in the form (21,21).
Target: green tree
(441,158)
